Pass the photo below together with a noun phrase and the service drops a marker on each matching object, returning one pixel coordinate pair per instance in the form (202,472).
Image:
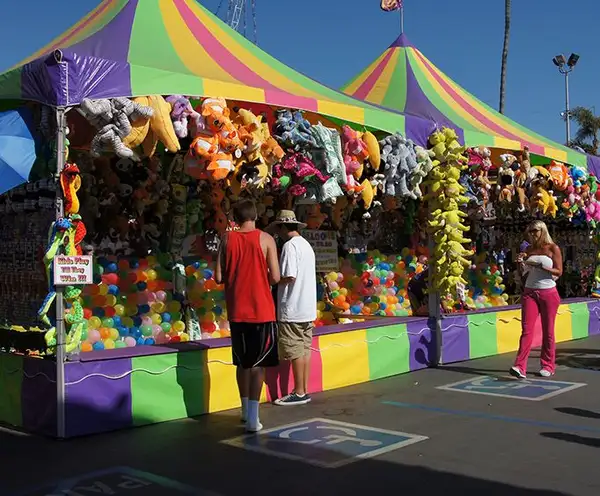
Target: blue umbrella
(17,148)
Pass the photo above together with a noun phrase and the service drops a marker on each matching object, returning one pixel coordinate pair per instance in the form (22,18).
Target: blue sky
(332,43)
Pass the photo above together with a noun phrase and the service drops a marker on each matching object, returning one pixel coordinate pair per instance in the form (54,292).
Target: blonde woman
(541,265)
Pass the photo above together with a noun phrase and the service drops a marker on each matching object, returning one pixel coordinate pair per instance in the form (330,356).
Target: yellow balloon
(111,300)
(114,334)
(184,338)
(178,326)
(109,344)
(174,306)
(158,307)
(151,274)
(127,321)
(156,318)
(102,289)
(120,311)
(94,322)
(131,309)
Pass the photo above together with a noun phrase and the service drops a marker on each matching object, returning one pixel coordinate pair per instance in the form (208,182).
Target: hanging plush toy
(445,199)
(292,131)
(70,182)
(181,112)
(506,178)
(113,120)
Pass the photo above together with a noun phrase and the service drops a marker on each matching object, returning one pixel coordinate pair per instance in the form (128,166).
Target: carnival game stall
(129,326)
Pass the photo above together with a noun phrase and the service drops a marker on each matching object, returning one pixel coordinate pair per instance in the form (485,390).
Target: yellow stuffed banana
(161,123)
(373,147)
(139,128)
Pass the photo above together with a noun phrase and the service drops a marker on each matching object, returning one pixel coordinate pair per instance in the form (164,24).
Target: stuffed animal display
(445,199)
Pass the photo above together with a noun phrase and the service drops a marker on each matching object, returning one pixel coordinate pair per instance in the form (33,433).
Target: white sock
(244,409)
(253,413)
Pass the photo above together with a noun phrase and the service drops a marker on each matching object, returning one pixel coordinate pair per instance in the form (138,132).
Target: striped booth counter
(120,389)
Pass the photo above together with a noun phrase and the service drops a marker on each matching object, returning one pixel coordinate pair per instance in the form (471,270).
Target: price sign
(325,246)
(73,270)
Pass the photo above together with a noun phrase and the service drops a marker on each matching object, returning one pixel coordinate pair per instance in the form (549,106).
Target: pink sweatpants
(538,304)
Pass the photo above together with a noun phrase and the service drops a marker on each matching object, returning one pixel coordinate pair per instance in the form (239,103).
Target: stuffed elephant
(113,120)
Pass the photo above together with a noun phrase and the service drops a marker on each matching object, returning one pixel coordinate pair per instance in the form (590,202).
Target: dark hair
(291,226)
(244,211)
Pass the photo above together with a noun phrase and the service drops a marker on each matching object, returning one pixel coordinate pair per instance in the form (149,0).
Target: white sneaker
(546,373)
(254,428)
(516,372)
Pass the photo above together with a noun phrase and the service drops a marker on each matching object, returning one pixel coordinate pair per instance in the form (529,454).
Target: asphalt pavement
(466,428)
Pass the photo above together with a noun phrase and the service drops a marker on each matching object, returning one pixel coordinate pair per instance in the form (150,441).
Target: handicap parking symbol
(116,481)
(530,389)
(324,442)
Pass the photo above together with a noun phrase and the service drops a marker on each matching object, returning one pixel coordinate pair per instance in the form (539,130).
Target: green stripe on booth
(168,387)
(580,319)
(11,381)
(389,351)
(482,335)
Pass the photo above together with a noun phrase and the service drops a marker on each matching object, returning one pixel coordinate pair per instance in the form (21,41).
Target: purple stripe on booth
(422,345)
(455,338)
(594,317)
(38,396)
(98,396)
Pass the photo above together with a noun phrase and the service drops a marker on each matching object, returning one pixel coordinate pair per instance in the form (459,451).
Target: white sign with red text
(73,270)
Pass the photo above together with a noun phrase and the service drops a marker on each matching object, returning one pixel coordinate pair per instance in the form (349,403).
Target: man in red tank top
(247,264)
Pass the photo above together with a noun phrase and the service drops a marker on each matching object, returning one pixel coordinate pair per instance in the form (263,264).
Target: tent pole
(402,18)
(60,310)
(434,311)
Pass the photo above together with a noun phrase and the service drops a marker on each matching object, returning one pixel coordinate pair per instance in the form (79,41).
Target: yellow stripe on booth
(345,358)
(508,326)
(563,330)
(223,391)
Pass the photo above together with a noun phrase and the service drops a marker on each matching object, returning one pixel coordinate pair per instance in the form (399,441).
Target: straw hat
(285,217)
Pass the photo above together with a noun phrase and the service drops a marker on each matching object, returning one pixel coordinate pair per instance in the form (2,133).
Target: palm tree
(588,134)
(504,54)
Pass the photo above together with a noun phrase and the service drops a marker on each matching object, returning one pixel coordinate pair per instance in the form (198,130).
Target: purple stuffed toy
(181,110)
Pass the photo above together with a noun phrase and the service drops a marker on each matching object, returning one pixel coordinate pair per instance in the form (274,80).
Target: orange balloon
(104,332)
(85,347)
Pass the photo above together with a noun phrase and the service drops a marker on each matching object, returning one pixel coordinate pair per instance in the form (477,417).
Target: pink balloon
(151,297)
(93,335)
(161,338)
(156,329)
(130,342)
(161,295)
(147,321)
(142,298)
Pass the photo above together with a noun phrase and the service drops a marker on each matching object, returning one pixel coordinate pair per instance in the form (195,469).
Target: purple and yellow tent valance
(141,47)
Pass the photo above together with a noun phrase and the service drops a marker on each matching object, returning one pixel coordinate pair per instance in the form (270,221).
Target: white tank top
(538,278)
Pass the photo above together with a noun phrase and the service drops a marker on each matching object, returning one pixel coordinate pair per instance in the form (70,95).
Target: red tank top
(247,289)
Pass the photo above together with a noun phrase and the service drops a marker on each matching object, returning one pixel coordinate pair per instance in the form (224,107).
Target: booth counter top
(208,344)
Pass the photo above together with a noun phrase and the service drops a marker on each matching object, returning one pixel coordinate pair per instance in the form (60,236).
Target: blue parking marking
(116,481)
(324,442)
(529,389)
(489,416)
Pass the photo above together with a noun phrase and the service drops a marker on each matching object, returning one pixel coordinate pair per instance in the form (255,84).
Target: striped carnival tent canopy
(403,79)
(142,47)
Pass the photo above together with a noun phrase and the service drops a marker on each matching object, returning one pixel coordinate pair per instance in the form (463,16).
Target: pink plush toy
(592,212)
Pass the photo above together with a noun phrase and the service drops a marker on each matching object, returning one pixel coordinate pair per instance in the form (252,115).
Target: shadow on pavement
(579,358)
(579,412)
(191,453)
(573,438)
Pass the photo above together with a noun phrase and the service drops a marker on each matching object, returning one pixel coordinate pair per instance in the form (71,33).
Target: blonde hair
(545,239)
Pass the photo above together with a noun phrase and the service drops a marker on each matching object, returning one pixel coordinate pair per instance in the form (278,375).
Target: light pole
(565,67)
